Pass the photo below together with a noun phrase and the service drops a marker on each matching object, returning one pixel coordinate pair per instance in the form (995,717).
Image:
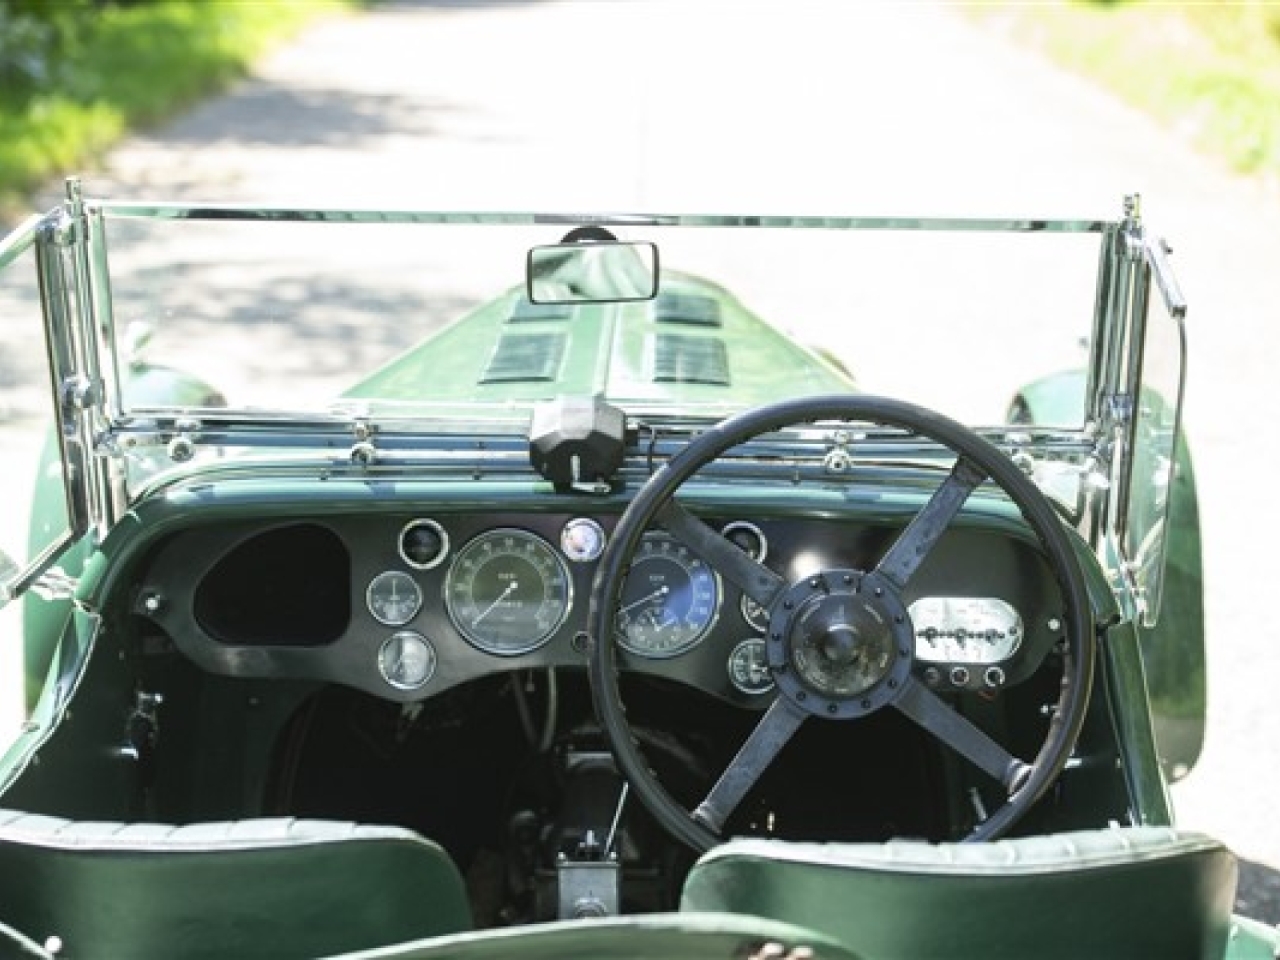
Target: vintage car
(455,584)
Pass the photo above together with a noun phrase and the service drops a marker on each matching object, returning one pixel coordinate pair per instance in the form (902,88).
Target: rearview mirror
(594,271)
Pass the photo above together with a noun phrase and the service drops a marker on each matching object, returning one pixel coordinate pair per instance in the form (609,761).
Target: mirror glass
(593,272)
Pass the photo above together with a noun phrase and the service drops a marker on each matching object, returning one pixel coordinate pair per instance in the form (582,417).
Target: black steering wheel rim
(976,460)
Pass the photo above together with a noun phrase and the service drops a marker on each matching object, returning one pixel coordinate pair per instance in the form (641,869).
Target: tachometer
(669,601)
(507,592)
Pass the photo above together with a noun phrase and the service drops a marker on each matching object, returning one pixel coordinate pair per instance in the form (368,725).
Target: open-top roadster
(605,620)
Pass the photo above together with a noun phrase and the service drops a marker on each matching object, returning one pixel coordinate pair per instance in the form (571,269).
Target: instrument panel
(406,606)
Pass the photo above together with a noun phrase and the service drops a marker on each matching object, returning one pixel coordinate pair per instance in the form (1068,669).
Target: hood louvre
(679,358)
(525,311)
(687,308)
(525,357)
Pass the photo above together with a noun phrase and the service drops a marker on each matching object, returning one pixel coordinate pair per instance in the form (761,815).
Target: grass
(132,66)
(1208,70)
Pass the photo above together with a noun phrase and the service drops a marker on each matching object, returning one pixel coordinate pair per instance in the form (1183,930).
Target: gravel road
(801,107)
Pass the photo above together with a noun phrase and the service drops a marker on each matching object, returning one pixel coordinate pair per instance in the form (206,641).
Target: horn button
(840,644)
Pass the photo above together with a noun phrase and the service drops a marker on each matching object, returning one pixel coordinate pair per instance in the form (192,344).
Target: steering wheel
(840,643)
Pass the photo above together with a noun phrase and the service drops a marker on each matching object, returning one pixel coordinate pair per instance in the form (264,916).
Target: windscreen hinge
(363,452)
(182,446)
(55,584)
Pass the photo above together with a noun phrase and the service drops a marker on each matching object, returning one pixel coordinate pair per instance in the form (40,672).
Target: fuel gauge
(407,660)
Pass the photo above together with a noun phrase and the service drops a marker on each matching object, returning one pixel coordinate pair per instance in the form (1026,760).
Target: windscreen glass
(299,315)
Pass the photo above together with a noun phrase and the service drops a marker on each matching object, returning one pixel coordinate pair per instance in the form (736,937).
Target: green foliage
(1210,71)
(76,74)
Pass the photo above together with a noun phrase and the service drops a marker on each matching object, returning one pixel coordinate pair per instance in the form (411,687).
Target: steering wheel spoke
(754,579)
(771,734)
(922,534)
(953,729)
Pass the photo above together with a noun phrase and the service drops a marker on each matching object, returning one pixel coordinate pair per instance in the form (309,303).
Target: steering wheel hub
(840,644)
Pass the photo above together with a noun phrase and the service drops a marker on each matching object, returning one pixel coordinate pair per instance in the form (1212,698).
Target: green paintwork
(608,355)
(45,620)
(1173,651)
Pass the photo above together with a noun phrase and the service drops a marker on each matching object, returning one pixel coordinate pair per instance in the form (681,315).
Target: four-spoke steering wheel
(840,643)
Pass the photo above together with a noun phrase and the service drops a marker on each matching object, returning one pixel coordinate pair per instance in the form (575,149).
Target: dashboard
(407,605)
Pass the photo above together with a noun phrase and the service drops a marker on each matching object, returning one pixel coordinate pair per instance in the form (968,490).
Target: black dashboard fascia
(974,558)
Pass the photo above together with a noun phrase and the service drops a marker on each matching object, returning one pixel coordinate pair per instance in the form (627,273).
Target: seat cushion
(277,887)
(659,936)
(1118,893)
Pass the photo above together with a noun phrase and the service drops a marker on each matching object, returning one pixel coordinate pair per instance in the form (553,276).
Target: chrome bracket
(182,446)
(363,452)
(839,457)
(597,488)
(588,888)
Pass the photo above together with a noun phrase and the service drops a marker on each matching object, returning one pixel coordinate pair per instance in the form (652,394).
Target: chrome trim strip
(217,211)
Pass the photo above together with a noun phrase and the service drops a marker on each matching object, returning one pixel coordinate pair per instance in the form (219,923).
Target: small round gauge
(508,591)
(749,667)
(757,617)
(582,540)
(423,544)
(407,660)
(669,601)
(748,538)
(393,598)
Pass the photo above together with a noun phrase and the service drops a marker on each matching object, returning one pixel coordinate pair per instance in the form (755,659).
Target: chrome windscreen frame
(96,428)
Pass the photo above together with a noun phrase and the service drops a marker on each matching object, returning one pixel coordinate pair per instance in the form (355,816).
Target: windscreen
(1161,467)
(35,514)
(291,315)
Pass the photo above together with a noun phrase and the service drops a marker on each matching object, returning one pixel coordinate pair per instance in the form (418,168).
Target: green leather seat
(276,888)
(655,936)
(1131,893)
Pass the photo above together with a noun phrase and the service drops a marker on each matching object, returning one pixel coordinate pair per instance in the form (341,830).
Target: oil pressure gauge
(393,598)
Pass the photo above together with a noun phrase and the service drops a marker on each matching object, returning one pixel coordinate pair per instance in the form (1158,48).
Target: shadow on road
(267,114)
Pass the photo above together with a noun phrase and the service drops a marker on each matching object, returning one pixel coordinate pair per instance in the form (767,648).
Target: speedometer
(670,599)
(507,592)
